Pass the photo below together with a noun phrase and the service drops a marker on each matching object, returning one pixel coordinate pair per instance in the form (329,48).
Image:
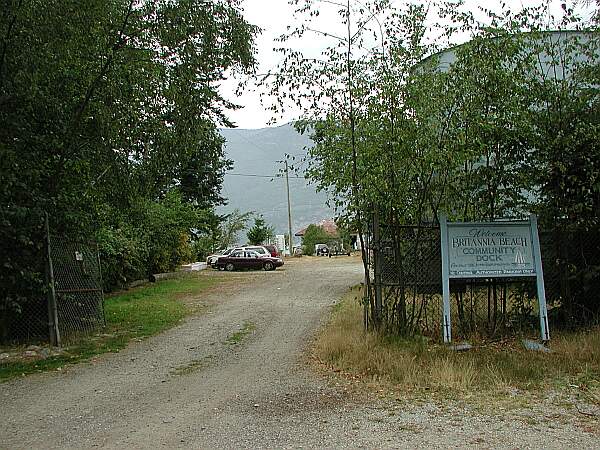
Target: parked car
(212,259)
(260,249)
(338,249)
(247,259)
(273,249)
(321,250)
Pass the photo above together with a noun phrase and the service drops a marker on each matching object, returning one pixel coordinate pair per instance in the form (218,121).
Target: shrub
(124,256)
(313,235)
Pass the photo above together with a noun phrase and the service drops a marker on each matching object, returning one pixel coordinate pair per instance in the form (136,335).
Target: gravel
(191,387)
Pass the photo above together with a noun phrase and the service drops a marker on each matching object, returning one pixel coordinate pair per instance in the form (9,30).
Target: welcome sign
(491,250)
(487,250)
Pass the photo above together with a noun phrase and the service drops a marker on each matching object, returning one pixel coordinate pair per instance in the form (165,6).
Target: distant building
(328,225)
(331,228)
(559,52)
(280,243)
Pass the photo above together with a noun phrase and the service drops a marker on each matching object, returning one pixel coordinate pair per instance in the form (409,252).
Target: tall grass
(418,363)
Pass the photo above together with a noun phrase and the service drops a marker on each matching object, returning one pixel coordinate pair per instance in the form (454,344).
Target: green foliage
(155,239)
(501,126)
(314,234)
(344,236)
(234,223)
(222,232)
(135,314)
(124,256)
(106,111)
(260,232)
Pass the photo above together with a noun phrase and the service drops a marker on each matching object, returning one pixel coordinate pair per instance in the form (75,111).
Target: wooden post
(53,331)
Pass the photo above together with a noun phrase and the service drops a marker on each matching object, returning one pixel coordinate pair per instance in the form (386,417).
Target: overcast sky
(273,16)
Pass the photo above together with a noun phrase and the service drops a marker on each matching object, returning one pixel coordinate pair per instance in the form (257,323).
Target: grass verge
(134,314)
(417,364)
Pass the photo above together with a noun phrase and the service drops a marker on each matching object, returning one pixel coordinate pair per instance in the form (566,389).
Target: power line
(260,176)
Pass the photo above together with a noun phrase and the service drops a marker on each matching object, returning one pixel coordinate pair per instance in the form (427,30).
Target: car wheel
(268,266)
(229,267)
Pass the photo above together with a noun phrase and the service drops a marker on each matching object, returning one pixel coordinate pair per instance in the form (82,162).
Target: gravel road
(191,387)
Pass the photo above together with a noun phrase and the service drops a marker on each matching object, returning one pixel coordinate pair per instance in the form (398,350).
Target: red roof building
(327,224)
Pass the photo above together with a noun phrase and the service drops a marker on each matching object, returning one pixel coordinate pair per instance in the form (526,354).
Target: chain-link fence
(571,261)
(64,298)
(406,272)
(25,322)
(406,288)
(77,280)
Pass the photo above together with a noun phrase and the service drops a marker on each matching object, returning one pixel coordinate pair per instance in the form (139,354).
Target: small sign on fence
(491,250)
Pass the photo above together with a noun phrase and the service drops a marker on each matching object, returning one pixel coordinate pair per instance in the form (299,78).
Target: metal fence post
(101,285)
(446,321)
(378,266)
(539,278)
(53,329)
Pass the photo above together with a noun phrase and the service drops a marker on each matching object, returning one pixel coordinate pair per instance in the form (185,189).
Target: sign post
(445,280)
(491,250)
(541,290)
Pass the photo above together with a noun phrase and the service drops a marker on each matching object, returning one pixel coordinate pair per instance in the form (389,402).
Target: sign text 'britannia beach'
(489,250)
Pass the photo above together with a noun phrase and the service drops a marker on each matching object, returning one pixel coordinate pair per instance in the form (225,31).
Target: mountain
(257,182)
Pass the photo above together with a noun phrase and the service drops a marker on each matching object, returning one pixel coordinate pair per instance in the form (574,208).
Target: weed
(193,366)
(238,336)
(414,364)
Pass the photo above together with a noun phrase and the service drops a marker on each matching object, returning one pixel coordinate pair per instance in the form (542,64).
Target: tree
(314,234)
(494,133)
(232,226)
(260,232)
(104,108)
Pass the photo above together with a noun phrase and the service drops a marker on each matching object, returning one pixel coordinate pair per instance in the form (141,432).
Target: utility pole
(287,185)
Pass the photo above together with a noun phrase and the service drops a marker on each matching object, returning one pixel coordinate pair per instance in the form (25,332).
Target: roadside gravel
(191,387)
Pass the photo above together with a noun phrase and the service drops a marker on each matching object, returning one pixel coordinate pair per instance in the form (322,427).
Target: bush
(156,239)
(22,288)
(124,256)
(203,247)
(313,235)
(166,227)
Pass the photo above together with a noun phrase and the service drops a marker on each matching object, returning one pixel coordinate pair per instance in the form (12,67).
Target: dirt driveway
(193,387)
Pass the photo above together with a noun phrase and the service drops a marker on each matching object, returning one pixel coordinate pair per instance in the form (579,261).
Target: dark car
(247,259)
(273,249)
(321,250)
(337,249)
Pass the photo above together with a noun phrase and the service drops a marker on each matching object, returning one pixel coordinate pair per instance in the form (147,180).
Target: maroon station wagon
(247,259)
